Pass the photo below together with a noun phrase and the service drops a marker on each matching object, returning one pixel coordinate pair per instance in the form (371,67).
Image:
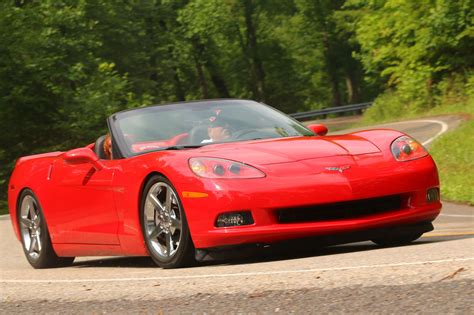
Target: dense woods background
(65,65)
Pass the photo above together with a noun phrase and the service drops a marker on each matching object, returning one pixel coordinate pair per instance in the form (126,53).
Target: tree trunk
(336,96)
(429,91)
(201,78)
(198,53)
(352,89)
(246,58)
(178,88)
(217,80)
(257,67)
(150,32)
(331,70)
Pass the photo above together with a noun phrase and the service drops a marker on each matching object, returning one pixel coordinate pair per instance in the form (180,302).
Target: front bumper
(263,197)
(278,232)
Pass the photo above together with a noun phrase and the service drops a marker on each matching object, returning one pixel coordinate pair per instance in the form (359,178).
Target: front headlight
(406,148)
(222,168)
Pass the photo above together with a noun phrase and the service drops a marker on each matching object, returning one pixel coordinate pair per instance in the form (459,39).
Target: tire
(34,234)
(397,240)
(164,225)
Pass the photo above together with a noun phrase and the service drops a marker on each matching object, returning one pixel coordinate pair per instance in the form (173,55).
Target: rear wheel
(35,236)
(397,240)
(164,225)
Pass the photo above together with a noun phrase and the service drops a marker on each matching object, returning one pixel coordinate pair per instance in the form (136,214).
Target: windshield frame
(121,149)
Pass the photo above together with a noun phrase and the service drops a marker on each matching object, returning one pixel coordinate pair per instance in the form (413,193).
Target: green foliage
(388,106)
(53,87)
(327,46)
(452,95)
(414,45)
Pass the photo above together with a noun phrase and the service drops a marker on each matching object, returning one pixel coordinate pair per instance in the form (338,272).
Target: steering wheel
(239,134)
(197,134)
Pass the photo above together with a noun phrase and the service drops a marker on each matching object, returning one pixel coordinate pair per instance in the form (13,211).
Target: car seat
(99,148)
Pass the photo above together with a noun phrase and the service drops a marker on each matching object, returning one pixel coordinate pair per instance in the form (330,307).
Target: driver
(218,130)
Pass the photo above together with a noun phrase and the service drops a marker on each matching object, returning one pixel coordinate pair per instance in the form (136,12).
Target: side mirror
(83,156)
(318,129)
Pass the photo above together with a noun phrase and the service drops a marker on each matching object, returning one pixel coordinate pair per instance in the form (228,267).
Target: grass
(3,207)
(453,154)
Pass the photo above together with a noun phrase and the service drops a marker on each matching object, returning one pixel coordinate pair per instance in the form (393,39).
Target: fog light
(432,195)
(234,219)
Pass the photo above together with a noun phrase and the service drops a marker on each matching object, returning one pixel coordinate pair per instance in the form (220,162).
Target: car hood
(285,150)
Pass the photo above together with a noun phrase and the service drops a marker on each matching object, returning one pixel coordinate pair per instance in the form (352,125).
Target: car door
(84,210)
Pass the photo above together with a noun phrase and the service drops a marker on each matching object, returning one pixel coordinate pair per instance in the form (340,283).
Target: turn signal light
(406,148)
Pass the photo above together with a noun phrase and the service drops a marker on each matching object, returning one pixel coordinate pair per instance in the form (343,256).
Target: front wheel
(164,225)
(35,236)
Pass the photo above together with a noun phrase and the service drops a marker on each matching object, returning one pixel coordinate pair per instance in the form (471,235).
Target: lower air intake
(341,210)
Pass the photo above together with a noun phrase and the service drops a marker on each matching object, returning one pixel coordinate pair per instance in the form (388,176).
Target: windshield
(199,123)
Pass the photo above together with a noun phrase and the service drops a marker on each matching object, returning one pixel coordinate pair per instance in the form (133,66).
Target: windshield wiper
(181,147)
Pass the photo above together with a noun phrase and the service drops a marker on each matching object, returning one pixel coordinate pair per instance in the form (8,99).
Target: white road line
(450,230)
(457,215)
(444,127)
(240,274)
(4,216)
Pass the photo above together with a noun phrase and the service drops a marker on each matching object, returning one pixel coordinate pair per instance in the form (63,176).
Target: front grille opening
(341,210)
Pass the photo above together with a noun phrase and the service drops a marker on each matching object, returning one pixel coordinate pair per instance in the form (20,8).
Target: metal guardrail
(331,110)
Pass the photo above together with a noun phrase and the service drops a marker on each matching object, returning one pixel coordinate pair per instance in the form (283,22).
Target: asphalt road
(433,275)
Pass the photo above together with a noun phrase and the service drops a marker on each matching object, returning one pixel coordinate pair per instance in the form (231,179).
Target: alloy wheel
(30,226)
(163,220)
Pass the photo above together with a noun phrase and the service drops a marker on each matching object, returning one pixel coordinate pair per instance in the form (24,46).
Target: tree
(414,45)
(56,93)
(331,37)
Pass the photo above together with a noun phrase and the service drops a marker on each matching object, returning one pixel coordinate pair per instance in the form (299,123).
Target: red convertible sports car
(188,178)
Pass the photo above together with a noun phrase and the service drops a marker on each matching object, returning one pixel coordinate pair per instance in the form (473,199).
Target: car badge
(339,169)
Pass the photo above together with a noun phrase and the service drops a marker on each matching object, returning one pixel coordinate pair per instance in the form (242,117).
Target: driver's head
(218,129)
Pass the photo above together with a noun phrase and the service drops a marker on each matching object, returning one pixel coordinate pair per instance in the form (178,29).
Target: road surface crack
(451,276)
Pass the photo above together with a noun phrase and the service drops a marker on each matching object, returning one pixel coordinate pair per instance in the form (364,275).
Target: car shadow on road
(297,250)
(289,250)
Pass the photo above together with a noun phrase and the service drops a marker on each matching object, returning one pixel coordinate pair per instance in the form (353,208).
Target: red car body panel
(90,212)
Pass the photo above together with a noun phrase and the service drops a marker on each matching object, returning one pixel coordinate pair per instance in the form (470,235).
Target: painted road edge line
(457,215)
(241,274)
(434,234)
(444,127)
